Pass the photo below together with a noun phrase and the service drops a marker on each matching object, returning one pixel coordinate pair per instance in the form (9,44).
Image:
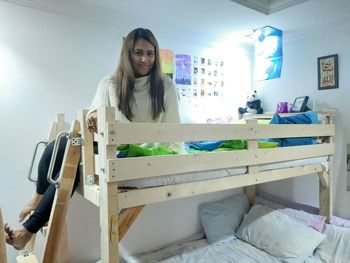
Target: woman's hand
(91,121)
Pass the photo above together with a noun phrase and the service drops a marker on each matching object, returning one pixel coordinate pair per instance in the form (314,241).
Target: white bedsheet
(199,251)
(335,248)
(213,174)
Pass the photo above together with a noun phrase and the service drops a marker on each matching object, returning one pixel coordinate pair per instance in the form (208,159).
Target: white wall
(299,78)
(51,63)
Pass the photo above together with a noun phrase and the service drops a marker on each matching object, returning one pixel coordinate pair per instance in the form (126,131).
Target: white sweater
(142,109)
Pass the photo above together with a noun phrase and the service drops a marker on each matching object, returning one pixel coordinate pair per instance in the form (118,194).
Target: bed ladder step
(57,222)
(27,259)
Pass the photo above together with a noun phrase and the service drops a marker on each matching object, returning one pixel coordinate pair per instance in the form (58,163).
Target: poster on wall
(167,61)
(208,76)
(327,72)
(183,69)
(268,53)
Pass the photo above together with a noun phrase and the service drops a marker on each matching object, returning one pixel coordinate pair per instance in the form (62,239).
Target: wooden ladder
(57,224)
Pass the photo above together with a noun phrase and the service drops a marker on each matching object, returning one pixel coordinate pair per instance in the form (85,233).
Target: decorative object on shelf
(253,104)
(299,104)
(282,107)
(328,72)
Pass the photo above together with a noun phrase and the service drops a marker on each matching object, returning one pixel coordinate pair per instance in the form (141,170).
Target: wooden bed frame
(101,173)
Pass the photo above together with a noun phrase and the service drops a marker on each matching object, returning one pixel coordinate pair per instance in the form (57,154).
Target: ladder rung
(27,259)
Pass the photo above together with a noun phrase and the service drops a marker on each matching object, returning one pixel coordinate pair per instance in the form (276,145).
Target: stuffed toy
(253,104)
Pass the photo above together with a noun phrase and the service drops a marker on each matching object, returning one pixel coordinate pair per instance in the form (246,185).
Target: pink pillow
(337,221)
(315,221)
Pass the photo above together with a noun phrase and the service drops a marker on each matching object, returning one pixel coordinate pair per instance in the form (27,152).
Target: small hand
(91,121)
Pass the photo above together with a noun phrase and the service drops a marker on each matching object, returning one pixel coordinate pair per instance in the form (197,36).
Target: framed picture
(328,72)
(299,104)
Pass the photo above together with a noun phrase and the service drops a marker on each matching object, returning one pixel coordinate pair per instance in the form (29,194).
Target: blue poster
(268,53)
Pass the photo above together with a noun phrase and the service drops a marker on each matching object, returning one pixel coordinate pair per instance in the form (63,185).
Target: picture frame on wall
(299,104)
(328,72)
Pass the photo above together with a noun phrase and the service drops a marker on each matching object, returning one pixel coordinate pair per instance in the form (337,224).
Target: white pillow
(278,234)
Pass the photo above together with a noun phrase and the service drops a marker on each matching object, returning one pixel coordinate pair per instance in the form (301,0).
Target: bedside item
(299,104)
(282,107)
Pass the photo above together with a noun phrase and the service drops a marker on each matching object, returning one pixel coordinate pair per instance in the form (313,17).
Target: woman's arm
(101,98)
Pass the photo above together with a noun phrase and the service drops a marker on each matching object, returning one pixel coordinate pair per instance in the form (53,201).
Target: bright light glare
(7,66)
(267,47)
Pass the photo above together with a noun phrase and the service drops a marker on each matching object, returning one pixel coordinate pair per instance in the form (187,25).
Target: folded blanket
(309,117)
(215,145)
(227,145)
(133,150)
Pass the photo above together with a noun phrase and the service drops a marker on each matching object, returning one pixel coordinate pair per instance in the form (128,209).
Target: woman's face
(142,57)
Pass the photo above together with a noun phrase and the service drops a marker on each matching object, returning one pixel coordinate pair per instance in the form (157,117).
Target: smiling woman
(138,90)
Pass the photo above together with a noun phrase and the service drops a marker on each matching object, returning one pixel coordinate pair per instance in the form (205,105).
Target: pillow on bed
(278,234)
(317,222)
(220,219)
(338,221)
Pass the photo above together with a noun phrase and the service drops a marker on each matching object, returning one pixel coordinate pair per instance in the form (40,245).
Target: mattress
(335,248)
(199,251)
(214,174)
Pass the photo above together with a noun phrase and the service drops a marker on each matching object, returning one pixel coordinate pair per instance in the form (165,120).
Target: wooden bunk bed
(100,174)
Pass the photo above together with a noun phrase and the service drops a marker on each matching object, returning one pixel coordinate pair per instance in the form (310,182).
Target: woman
(139,92)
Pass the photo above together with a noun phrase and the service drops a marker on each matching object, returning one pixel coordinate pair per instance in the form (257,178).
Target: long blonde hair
(124,79)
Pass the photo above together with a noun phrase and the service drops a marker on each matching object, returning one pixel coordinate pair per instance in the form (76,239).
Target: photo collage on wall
(199,76)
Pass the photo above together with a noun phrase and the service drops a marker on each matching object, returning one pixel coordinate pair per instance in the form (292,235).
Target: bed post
(326,178)
(88,168)
(57,126)
(108,190)
(251,144)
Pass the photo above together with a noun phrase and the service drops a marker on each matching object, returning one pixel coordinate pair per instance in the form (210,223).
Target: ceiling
(200,20)
(268,6)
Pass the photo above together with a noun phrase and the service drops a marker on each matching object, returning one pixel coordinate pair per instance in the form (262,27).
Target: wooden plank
(52,132)
(124,133)
(108,191)
(323,176)
(92,194)
(268,116)
(326,197)
(126,219)
(146,196)
(3,251)
(252,169)
(142,167)
(87,153)
(326,191)
(62,197)
(57,126)
(27,259)
(63,256)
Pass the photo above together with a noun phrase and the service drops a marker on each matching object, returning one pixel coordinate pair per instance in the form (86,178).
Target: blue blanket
(309,117)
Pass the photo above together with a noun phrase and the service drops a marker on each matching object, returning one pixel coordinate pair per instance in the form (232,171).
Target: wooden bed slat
(163,193)
(124,133)
(142,167)
(126,218)
(108,192)
(62,197)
